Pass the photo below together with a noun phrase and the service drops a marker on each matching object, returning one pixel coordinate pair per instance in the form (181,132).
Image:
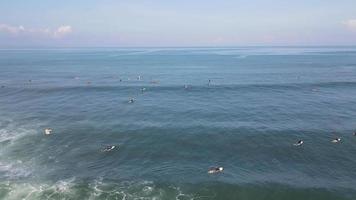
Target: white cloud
(11,29)
(350,24)
(62,31)
(45,32)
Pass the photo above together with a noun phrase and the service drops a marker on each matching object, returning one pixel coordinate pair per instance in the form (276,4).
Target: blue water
(260,100)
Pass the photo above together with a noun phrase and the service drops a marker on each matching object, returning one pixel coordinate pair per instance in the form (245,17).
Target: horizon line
(227,46)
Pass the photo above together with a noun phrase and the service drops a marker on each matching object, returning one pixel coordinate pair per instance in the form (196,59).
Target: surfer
(354,133)
(108,148)
(48,131)
(131,100)
(300,142)
(336,140)
(215,170)
(143,89)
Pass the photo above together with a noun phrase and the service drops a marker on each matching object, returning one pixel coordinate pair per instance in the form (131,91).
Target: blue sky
(76,23)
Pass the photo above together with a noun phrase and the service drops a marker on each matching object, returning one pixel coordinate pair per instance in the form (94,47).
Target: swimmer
(300,142)
(215,170)
(131,100)
(336,140)
(48,131)
(108,148)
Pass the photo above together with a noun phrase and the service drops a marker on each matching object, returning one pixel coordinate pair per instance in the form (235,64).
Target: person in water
(143,89)
(131,100)
(300,142)
(215,170)
(336,140)
(48,131)
(109,148)
(354,133)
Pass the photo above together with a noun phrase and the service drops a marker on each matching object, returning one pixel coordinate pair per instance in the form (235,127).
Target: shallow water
(258,103)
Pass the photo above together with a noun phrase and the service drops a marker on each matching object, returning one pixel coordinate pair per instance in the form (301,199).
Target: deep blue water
(259,102)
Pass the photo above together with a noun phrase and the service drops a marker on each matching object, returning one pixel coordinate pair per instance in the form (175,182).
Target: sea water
(240,108)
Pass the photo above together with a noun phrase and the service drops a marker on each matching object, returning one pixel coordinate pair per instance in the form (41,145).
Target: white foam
(14,170)
(13,132)
(66,189)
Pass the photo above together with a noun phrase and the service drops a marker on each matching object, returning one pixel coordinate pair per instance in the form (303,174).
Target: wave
(192,88)
(13,171)
(97,190)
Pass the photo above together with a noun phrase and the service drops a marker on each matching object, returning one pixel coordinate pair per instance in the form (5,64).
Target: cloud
(60,32)
(11,29)
(350,24)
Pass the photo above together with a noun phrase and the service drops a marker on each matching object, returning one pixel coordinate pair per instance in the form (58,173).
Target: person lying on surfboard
(215,170)
(108,148)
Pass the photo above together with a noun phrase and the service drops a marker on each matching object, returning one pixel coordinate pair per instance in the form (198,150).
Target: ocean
(241,108)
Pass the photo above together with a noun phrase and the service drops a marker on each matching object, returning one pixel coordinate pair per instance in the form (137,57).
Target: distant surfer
(108,148)
(354,134)
(209,82)
(139,78)
(48,131)
(299,143)
(336,140)
(131,100)
(215,170)
(143,89)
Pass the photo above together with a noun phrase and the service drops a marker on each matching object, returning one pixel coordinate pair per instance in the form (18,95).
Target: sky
(126,23)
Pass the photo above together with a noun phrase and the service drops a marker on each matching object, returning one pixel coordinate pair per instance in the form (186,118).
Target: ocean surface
(258,102)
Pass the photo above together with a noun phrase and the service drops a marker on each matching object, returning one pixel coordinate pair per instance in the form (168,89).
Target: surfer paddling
(215,170)
(108,148)
(299,143)
(336,140)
